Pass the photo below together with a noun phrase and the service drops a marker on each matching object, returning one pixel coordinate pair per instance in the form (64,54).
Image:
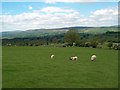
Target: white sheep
(73,58)
(93,57)
(52,56)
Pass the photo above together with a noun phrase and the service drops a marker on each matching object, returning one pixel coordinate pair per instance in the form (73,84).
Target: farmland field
(31,67)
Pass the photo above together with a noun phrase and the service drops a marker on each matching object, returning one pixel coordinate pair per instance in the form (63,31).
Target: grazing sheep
(52,56)
(73,58)
(93,57)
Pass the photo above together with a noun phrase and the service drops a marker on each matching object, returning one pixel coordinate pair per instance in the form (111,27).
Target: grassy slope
(32,33)
(99,30)
(32,67)
(37,33)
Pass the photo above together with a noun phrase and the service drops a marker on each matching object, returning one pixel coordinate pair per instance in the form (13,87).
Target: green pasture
(31,67)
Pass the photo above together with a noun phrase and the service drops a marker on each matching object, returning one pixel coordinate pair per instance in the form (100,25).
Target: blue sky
(55,14)
(84,8)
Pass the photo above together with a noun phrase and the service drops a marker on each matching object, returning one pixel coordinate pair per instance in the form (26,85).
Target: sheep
(93,57)
(73,58)
(52,56)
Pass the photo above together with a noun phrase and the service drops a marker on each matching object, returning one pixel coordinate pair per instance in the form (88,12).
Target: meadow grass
(31,67)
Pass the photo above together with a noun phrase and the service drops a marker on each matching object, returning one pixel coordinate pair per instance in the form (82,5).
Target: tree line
(71,38)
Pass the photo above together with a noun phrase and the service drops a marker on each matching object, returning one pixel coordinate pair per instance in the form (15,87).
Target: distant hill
(99,30)
(46,32)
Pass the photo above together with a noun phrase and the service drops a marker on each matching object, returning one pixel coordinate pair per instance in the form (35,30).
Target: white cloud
(56,10)
(105,16)
(54,17)
(30,8)
(109,11)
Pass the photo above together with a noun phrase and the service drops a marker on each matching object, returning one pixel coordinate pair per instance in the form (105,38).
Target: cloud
(30,8)
(104,17)
(56,10)
(56,17)
(109,11)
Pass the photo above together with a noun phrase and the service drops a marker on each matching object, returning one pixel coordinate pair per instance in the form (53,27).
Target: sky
(47,14)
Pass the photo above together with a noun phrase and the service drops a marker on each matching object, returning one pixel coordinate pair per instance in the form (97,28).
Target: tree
(71,37)
(54,40)
(110,44)
(87,44)
(94,44)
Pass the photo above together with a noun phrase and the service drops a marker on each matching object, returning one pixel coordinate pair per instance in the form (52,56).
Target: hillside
(46,32)
(99,30)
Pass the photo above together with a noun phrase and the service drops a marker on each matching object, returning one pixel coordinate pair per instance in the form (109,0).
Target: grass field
(31,67)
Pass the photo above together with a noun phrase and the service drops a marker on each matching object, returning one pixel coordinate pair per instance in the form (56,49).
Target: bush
(110,44)
(87,44)
(116,46)
(94,44)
